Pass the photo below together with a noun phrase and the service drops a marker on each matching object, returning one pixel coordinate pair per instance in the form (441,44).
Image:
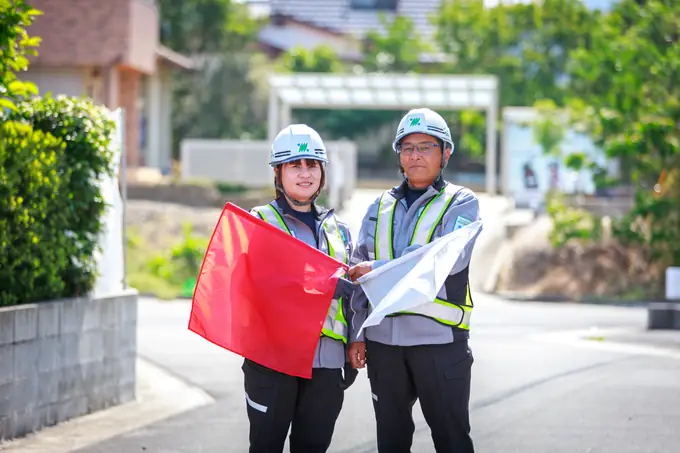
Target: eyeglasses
(422,148)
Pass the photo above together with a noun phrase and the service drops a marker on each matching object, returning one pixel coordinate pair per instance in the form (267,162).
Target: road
(530,393)
(536,388)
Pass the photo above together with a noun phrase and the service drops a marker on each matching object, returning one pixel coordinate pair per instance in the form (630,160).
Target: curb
(159,395)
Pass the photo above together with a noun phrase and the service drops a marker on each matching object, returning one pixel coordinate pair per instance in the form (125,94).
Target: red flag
(262,293)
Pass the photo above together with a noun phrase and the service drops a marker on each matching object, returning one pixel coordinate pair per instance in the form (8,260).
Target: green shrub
(570,223)
(62,145)
(169,274)
(15,45)
(32,252)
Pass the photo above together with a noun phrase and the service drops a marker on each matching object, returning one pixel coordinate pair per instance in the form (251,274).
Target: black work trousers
(275,400)
(438,376)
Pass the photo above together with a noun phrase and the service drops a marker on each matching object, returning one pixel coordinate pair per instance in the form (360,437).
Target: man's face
(421,159)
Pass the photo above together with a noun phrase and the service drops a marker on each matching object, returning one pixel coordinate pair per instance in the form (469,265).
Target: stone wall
(65,358)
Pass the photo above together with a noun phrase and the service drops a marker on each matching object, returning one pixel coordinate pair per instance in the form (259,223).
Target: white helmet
(297,141)
(423,121)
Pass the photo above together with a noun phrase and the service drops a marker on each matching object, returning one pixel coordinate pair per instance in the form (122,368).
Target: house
(110,51)
(340,24)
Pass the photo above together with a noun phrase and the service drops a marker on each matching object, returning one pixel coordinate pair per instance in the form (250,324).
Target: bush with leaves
(33,247)
(53,152)
(15,45)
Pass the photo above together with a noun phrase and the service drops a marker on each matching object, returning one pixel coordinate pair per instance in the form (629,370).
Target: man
(421,354)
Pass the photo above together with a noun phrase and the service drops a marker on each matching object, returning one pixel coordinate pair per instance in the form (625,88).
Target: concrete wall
(66,358)
(246,163)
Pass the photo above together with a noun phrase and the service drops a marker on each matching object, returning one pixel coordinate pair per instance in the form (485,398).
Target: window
(374,4)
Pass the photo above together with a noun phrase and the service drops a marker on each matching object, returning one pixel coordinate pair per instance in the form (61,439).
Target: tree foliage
(319,59)
(220,98)
(525,45)
(398,49)
(15,46)
(626,83)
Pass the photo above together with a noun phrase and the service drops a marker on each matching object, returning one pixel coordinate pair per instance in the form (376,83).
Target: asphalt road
(529,394)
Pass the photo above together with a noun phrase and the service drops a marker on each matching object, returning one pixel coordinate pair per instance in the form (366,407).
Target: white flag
(417,277)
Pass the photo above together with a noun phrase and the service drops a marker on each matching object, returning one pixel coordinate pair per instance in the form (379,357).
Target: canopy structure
(389,92)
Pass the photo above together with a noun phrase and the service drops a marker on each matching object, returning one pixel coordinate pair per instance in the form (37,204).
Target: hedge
(51,154)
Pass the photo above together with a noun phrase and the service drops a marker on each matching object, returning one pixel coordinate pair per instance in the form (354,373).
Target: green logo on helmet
(302,147)
(415,122)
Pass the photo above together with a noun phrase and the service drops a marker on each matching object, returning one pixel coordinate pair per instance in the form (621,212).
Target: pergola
(388,92)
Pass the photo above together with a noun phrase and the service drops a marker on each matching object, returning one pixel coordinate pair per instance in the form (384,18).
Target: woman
(276,400)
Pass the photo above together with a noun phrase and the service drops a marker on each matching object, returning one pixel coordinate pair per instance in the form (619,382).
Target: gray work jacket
(406,330)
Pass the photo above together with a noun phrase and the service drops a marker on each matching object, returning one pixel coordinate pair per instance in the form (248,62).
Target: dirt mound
(577,271)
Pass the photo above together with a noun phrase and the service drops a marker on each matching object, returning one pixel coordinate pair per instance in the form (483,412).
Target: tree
(15,46)
(628,100)
(524,45)
(398,49)
(320,59)
(220,99)
(331,124)
(205,26)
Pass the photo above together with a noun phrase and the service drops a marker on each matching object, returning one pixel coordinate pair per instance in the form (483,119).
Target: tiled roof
(339,16)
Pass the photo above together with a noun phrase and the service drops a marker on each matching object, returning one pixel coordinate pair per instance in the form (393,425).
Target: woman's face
(301,178)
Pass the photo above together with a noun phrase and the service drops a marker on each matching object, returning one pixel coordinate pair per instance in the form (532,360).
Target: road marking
(159,396)
(598,339)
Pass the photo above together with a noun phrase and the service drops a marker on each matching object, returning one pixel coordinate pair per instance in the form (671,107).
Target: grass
(166,274)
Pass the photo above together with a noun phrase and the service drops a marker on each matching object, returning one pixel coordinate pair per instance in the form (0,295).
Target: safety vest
(335,324)
(456,312)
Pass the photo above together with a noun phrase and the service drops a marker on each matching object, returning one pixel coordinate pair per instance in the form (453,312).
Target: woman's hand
(359,270)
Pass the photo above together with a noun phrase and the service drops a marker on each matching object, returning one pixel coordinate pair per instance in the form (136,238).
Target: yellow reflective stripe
(383,229)
(335,325)
(341,314)
(432,214)
(336,245)
(269,214)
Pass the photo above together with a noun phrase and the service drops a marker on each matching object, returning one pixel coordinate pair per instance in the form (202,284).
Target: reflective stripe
(269,214)
(335,325)
(432,214)
(256,406)
(336,245)
(440,310)
(383,227)
(445,313)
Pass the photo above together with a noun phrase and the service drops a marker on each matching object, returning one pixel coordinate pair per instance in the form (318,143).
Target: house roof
(339,16)
(173,58)
(288,37)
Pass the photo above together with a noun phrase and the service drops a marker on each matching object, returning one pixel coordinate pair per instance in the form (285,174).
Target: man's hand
(359,270)
(357,354)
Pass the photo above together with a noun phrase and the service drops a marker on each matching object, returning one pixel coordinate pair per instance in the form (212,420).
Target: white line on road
(598,339)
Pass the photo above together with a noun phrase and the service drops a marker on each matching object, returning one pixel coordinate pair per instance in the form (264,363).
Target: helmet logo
(302,147)
(415,122)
